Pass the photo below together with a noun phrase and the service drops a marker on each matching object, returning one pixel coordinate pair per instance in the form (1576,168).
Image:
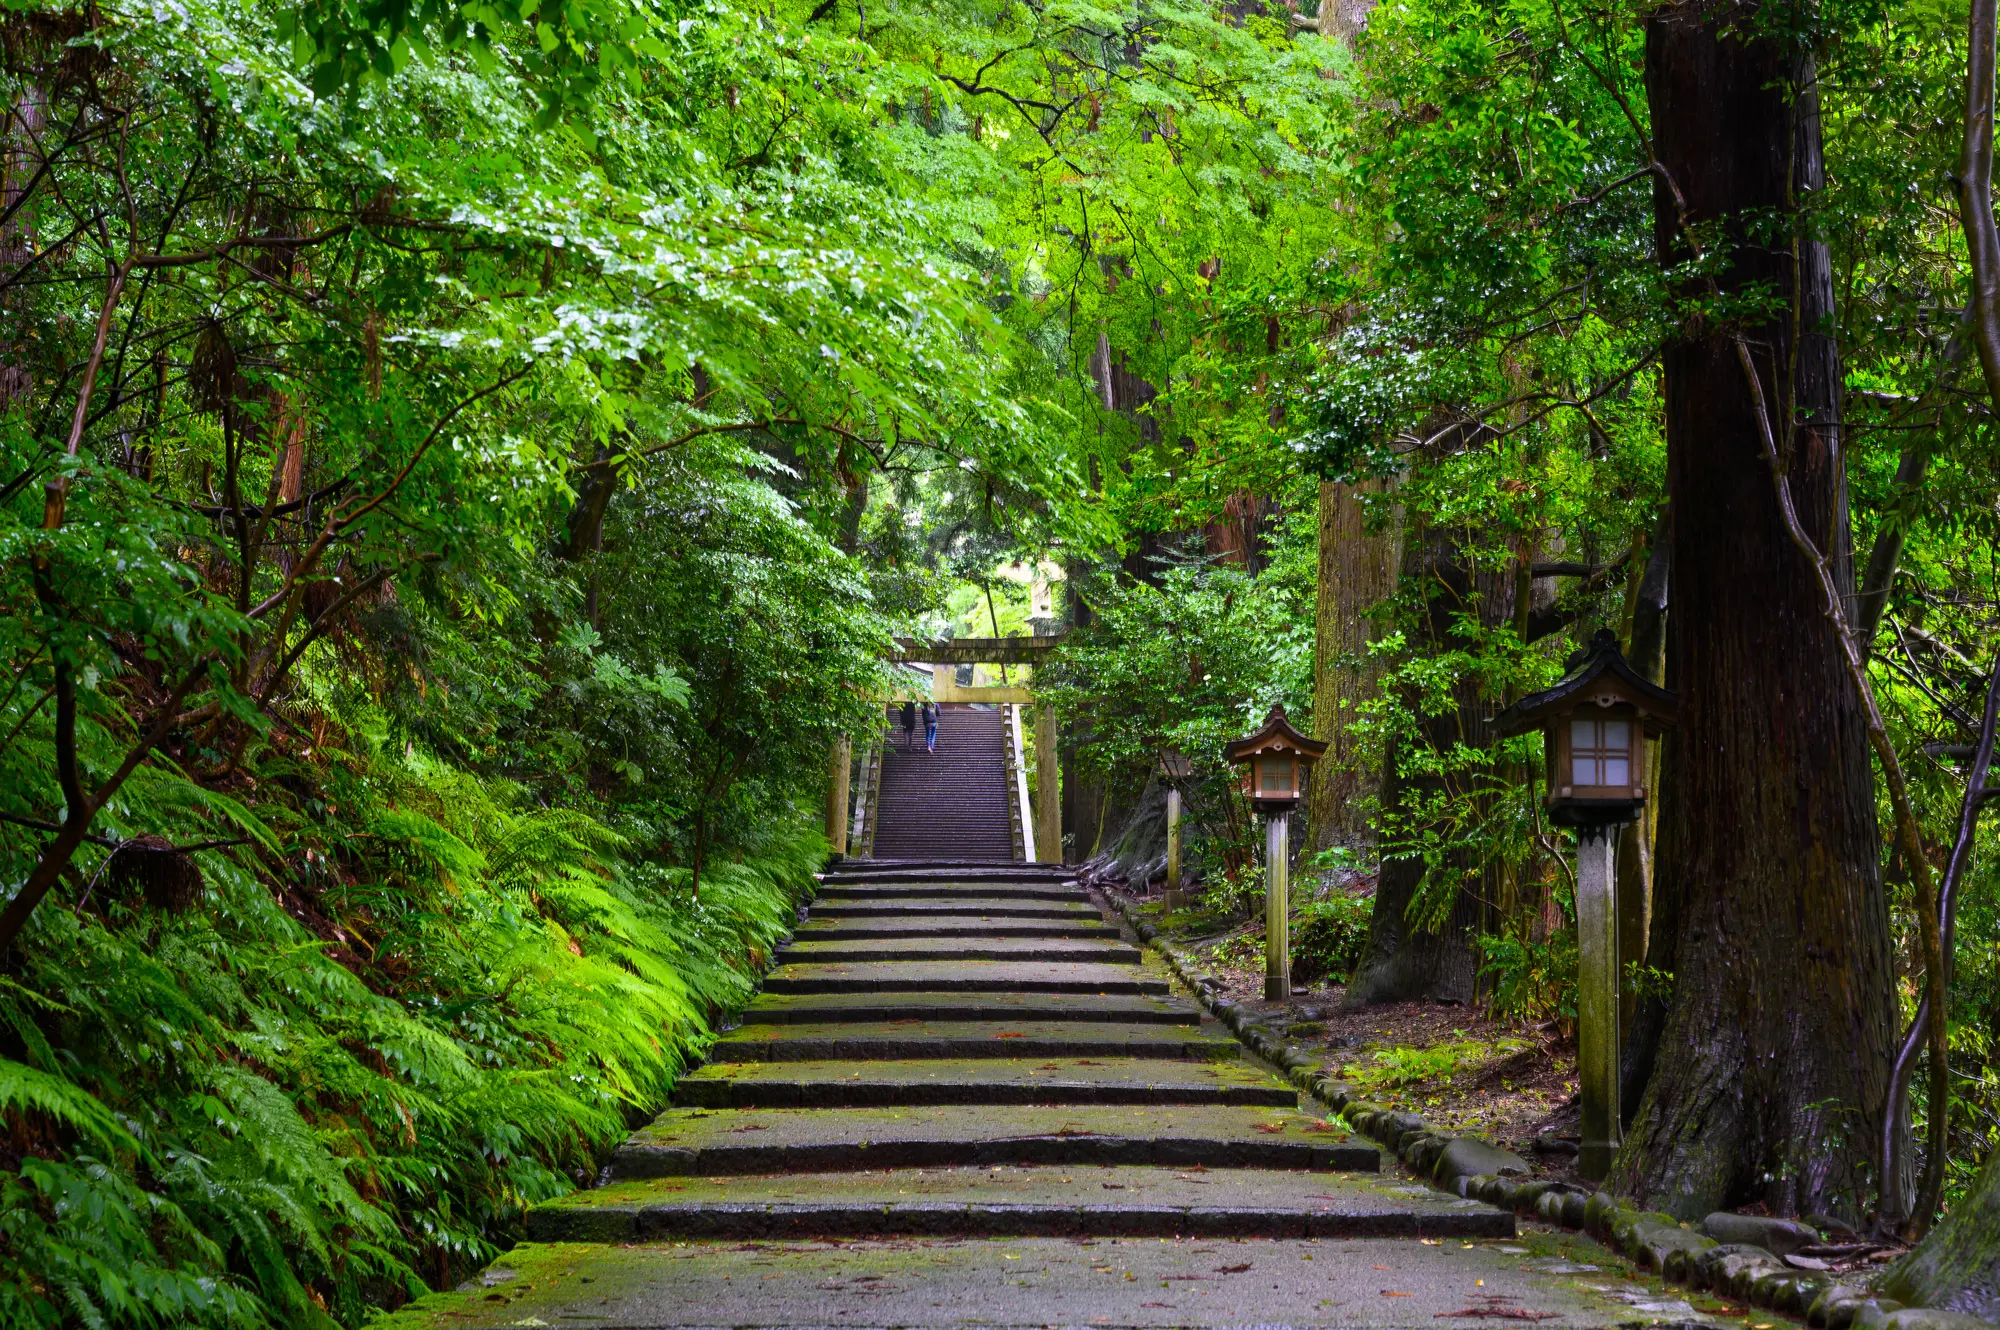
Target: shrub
(1328,937)
(1532,981)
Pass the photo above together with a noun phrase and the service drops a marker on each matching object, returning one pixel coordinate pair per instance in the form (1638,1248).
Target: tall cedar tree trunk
(1772,1068)
(1401,962)
(1357,570)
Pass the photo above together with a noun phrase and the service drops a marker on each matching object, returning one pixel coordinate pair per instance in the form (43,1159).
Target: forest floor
(1513,1084)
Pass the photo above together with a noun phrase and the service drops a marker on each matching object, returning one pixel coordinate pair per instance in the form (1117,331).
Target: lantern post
(1174,769)
(1275,760)
(1595,723)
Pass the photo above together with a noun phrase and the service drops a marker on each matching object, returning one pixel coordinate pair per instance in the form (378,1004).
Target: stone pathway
(964,1098)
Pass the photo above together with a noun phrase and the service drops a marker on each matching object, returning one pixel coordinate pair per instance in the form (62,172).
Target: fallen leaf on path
(1392,1293)
(1270,1128)
(751,1126)
(1232,1269)
(1112,1186)
(1156,1304)
(1010,1034)
(1503,1313)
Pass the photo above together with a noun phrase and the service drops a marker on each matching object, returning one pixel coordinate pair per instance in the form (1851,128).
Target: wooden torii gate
(944,656)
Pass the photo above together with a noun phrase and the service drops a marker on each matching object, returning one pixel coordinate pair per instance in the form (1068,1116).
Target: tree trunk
(1082,798)
(1639,1046)
(1646,653)
(1773,1064)
(1957,1267)
(1400,962)
(1357,570)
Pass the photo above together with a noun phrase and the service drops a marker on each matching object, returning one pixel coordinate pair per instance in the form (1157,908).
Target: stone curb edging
(1476,1169)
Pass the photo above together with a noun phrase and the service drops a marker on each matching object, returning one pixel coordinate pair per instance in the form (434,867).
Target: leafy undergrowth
(1507,1079)
(412,1004)
(1386,1070)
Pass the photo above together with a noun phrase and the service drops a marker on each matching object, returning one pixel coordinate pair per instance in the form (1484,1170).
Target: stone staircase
(965,1097)
(953,803)
(943,1046)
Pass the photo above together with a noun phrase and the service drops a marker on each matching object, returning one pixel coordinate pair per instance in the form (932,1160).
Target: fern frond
(24,1089)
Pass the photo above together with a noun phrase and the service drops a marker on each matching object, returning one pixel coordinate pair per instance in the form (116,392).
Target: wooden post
(1048,788)
(1174,898)
(839,758)
(1597,999)
(1277,908)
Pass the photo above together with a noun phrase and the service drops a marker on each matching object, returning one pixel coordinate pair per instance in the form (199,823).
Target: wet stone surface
(1009,1282)
(692,1141)
(797,1041)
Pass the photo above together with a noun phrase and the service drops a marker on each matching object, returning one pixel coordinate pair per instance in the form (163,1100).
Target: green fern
(25,1090)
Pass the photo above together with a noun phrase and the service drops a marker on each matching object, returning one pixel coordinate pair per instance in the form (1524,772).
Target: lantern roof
(1276,735)
(1598,675)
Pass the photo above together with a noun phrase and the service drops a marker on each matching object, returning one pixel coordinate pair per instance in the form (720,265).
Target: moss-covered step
(933,976)
(954,907)
(1358,1283)
(959,948)
(927,1083)
(1008,1038)
(953,876)
(1026,1202)
(918,889)
(700,1142)
(932,927)
(868,1008)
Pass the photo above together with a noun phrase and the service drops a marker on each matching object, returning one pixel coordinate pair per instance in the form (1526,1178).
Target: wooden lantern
(1275,761)
(1595,723)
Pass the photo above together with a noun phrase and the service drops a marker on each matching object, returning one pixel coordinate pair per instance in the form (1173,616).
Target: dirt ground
(1514,1085)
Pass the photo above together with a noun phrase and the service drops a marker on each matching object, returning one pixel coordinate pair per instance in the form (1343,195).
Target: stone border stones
(1745,1271)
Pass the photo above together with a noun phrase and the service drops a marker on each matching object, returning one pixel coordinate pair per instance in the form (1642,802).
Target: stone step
(949,948)
(699,1142)
(932,1083)
(963,977)
(1094,1008)
(1027,889)
(886,861)
(1026,1202)
(884,1041)
(971,893)
(875,870)
(1350,1280)
(950,907)
(970,926)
